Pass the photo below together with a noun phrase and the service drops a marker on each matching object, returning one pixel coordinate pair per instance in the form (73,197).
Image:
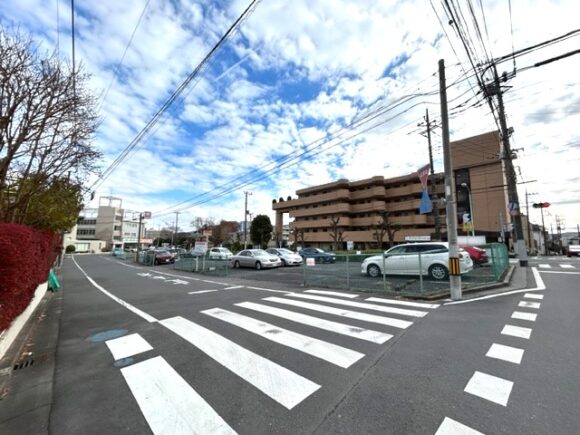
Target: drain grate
(24,364)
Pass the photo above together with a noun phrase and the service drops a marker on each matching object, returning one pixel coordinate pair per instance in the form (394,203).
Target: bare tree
(298,236)
(335,232)
(47,123)
(385,227)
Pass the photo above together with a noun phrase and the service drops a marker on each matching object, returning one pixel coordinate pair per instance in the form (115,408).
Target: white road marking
(120,301)
(177,281)
(452,427)
(567,266)
(316,322)
(236,286)
(144,274)
(521,315)
(544,266)
(562,273)
(127,346)
(516,331)
(397,302)
(268,289)
(526,304)
(373,318)
(201,291)
(412,313)
(214,282)
(329,293)
(158,277)
(279,383)
(505,353)
(168,403)
(175,275)
(490,387)
(323,350)
(533,296)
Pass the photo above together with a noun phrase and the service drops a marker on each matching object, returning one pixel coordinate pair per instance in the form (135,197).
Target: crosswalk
(556,266)
(170,403)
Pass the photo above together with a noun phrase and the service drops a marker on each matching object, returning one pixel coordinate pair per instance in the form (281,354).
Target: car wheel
(258,265)
(283,262)
(236,264)
(373,270)
(438,272)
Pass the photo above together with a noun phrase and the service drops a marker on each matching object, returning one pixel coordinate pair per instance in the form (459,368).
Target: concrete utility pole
(510,175)
(246,220)
(139,235)
(451,204)
(429,125)
(528,216)
(177,213)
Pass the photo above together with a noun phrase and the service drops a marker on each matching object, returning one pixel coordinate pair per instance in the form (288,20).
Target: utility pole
(246,219)
(511,175)
(501,227)
(429,125)
(528,216)
(177,213)
(139,236)
(450,203)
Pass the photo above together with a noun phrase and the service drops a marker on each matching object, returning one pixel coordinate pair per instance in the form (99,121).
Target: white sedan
(220,254)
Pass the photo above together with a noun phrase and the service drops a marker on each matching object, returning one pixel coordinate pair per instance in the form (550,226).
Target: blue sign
(426,205)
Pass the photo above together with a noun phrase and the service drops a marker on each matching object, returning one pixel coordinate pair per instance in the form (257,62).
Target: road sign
(513,206)
(349,245)
(146,215)
(311,262)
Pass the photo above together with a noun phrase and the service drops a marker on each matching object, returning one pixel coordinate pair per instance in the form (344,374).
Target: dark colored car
(319,255)
(163,257)
(478,255)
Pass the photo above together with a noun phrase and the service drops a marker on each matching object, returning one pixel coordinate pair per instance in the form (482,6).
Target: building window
(85,232)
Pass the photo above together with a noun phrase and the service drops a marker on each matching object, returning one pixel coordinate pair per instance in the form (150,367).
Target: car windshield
(285,251)
(260,253)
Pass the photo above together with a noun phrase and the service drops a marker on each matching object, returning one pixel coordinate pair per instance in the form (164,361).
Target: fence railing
(202,264)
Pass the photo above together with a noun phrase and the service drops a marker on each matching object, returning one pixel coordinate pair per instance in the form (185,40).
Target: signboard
(311,262)
(207,233)
(426,205)
(349,245)
(146,215)
(147,241)
(423,174)
(467,226)
(201,247)
(417,238)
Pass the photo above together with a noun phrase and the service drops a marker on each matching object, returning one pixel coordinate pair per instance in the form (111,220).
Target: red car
(162,257)
(478,255)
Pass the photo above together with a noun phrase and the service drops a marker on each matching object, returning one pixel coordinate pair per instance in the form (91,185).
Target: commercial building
(351,210)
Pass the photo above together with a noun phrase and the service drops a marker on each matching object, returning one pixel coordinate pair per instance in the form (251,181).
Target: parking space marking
(363,305)
(323,350)
(533,296)
(316,322)
(168,403)
(517,331)
(452,427)
(324,292)
(526,304)
(407,303)
(234,287)
(505,353)
(373,318)
(127,346)
(279,383)
(567,266)
(201,291)
(544,266)
(522,315)
(490,387)
(214,282)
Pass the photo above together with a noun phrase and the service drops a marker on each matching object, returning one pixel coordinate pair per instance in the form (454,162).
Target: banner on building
(426,205)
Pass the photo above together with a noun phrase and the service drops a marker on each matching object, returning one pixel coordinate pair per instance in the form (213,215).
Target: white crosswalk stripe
(567,266)
(490,387)
(521,315)
(452,427)
(332,353)
(373,318)
(544,266)
(316,322)
(533,296)
(407,303)
(330,293)
(363,305)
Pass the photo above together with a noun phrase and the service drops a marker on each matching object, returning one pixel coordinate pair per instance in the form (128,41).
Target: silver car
(287,257)
(256,258)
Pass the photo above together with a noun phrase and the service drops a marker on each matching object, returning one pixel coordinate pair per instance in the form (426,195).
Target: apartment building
(358,205)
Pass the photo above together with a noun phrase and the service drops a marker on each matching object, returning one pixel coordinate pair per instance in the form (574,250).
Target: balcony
(321,223)
(373,192)
(368,207)
(317,211)
(337,195)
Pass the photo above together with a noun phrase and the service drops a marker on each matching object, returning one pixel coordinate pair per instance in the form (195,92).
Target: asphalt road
(187,359)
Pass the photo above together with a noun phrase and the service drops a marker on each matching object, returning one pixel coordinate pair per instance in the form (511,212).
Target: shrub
(70,249)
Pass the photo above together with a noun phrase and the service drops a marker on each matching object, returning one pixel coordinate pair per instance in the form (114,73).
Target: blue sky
(292,79)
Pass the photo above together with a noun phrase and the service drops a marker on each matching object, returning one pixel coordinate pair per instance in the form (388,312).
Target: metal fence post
(347,272)
(384,272)
(304,266)
(420,274)
(493,263)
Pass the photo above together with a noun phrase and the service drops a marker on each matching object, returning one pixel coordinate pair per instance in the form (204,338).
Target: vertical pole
(511,176)
(528,218)
(433,187)
(420,274)
(578,229)
(384,273)
(451,204)
(139,236)
(246,221)
(347,271)
(471,213)
(501,227)
(543,231)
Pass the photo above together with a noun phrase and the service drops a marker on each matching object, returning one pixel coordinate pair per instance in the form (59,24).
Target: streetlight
(470,208)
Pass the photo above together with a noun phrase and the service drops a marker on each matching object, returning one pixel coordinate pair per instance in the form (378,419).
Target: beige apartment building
(478,169)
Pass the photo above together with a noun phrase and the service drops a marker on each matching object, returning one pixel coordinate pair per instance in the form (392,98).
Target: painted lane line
(127,346)
(412,313)
(562,273)
(533,296)
(176,276)
(201,291)
(268,289)
(323,350)
(177,281)
(168,402)
(120,301)
(316,322)
(490,387)
(544,266)
(567,266)
(505,353)
(234,287)
(452,427)
(522,315)
(526,304)
(516,331)
(279,383)
(373,318)
(214,282)
(407,303)
(329,293)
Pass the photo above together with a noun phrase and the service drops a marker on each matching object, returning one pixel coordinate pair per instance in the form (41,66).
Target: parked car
(288,257)
(176,252)
(220,254)
(197,252)
(257,258)
(319,255)
(404,260)
(478,255)
(161,256)
(118,252)
(573,250)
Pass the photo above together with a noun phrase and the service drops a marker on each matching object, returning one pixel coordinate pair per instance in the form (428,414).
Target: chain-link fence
(201,264)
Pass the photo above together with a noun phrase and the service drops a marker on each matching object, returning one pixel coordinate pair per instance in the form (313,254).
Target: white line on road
(397,302)
(490,387)
(533,296)
(521,315)
(567,266)
(120,301)
(323,350)
(505,353)
(279,383)
(316,322)
(373,318)
(544,266)
(201,291)
(329,293)
(526,304)
(267,289)
(452,427)
(516,331)
(168,403)
(214,282)
(234,287)
(562,273)
(412,313)
(127,346)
